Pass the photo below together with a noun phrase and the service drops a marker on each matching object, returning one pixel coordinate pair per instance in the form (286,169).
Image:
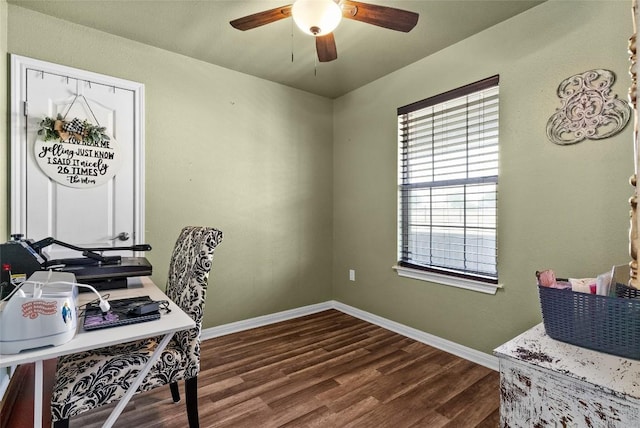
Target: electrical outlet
(352,275)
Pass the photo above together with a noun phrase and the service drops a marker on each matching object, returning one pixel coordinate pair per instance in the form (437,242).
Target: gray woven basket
(602,323)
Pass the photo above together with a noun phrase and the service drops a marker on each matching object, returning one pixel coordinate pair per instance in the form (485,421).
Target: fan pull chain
(291,40)
(315,58)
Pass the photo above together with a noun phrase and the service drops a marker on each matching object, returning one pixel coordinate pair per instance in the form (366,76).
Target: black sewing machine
(21,256)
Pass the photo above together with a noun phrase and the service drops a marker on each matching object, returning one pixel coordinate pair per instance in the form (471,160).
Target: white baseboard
(437,342)
(235,327)
(429,339)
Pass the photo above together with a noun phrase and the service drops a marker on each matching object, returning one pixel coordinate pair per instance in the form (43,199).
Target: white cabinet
(547,383)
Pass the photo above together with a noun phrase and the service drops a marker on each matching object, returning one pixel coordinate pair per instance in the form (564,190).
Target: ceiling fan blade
(326,48)
(382,16)
(261,18)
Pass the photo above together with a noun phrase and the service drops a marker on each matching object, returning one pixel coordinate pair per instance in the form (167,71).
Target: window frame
(457,278)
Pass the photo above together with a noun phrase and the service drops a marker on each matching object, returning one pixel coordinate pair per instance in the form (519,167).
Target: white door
(99,214)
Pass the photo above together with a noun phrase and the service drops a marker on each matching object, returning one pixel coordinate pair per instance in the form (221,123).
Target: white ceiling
(200,29)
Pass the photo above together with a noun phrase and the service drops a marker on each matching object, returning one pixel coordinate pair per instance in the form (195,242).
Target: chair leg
(191,392)
(63,423)
(175,392)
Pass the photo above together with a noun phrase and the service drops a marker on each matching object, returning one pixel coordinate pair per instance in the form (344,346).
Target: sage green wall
(256,160)
(250,157)
(559,207)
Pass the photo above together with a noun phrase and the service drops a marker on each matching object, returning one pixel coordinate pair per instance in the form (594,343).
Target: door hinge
(25,106)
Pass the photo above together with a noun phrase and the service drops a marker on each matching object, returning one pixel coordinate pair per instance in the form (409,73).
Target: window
(448,185)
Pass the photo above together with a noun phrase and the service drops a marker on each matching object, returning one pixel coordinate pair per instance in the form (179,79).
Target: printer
(21,257)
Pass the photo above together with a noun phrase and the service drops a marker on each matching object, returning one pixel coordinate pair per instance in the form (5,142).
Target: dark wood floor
(323,370)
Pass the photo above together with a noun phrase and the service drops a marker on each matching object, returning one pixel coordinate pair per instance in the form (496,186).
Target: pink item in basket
(547,278)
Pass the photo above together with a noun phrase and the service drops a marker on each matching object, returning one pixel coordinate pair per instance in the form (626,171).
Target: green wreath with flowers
(73,131)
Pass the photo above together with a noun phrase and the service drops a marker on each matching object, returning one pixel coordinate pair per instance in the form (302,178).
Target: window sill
(467,284)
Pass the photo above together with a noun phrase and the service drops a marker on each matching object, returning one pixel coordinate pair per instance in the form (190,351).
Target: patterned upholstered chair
(94,378)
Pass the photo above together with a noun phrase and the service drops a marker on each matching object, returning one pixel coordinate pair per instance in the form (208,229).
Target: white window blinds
(448,182)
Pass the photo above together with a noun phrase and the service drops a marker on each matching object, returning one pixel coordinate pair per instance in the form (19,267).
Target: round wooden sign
(77,163)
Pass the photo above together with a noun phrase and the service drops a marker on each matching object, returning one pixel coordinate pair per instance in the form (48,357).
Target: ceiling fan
(320,17)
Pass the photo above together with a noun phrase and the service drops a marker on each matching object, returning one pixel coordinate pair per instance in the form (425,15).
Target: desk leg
(136,383)
(37,395)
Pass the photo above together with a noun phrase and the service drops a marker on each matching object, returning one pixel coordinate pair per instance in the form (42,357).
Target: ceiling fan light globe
(316,17)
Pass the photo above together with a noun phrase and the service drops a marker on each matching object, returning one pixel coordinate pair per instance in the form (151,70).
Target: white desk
(166,326)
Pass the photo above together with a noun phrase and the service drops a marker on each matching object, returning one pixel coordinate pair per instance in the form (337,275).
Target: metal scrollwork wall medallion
(589,110)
